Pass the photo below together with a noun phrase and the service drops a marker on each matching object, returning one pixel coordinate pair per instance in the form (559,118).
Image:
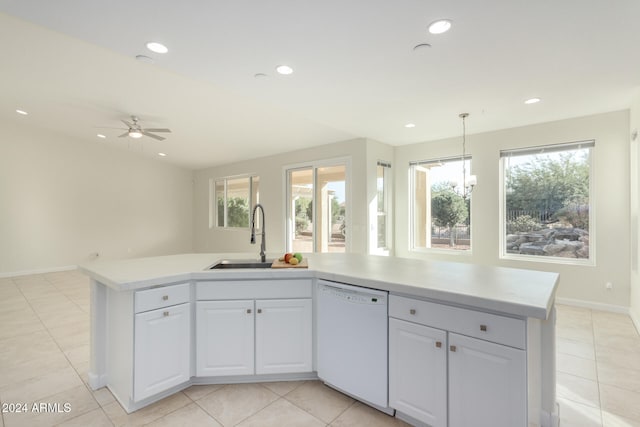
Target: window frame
(412,232)
(559,147)
(213,201)
(387,211)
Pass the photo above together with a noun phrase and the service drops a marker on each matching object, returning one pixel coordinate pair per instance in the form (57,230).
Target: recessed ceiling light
(284,69)
(410,125)
(24,113)
(532,101)
(260,75)
(162,155)
(157,47)
(440,26)
(101,136)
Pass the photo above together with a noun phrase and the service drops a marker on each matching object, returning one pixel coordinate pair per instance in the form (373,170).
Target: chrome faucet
(263,258)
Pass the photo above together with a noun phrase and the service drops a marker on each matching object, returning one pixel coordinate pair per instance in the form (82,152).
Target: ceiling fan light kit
(136,131)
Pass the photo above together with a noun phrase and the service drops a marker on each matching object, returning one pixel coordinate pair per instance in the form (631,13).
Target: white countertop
(523,293)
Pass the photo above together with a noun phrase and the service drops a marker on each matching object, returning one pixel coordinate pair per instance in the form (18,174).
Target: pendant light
(467,184)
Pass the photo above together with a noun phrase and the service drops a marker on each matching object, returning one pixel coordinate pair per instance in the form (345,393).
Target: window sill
(453,252)
(549,260)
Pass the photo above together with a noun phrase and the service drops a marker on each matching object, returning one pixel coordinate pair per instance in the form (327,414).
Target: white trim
(635,319)
(594,305)
(38,271)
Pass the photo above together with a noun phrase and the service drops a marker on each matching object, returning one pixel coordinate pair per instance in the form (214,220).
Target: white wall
(272,197)
(634,121)
(62,200)
(611,178)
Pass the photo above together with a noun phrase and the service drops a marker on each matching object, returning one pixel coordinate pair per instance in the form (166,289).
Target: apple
(287,257)
(298,255)
(293,261)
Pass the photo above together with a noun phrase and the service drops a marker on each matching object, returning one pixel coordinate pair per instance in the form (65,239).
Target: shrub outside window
(546,198)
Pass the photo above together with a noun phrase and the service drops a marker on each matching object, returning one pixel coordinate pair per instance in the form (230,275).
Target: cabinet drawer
(161,297)
(253,289)
(489,327)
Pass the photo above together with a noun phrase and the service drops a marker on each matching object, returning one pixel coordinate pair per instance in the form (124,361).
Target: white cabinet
(283,336)
(162,349)
(224,338)
(443,378)
(418,371)
(247,336)
(487,384)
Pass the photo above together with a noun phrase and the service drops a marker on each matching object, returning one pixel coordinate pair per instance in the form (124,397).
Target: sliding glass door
(317,208)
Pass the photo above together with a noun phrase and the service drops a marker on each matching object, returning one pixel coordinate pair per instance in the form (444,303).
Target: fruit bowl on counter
(290,260)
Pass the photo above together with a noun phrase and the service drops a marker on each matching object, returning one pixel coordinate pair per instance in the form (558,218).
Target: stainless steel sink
(241,263)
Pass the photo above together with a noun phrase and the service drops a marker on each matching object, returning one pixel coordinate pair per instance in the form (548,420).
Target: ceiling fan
(135,130)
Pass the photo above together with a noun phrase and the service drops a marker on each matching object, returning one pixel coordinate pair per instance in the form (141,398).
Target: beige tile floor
(44,354)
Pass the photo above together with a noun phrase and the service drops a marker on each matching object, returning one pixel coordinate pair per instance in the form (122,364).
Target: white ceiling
(71,64)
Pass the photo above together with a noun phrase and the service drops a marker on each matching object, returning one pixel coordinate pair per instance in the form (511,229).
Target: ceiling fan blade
(157,130)
(150,135)
(127,123)
(124,134)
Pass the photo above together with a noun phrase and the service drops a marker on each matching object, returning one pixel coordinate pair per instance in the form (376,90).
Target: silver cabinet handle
(412,311)
(259,310)
(248,311)
(165,314)
(165,297)
(438,344)
(483,328)
(452,348)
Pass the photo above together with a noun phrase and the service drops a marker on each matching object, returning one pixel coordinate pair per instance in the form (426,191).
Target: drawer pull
(452,348)
(165,314)
(259,310)
(248,311)
(483,328)
(165,298)
(412,311)
(439,344)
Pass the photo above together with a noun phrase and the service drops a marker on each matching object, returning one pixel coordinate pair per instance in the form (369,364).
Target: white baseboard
(635,319)
(38,271)
(593,305)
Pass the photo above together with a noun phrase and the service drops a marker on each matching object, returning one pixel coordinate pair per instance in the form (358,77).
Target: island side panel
(541,371)
(119,345)
(98,337)
(548,340)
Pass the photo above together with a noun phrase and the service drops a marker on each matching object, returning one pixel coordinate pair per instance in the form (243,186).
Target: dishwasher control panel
(366,296)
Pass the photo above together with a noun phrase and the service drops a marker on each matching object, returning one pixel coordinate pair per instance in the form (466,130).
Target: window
(381,232)
(546,198)
(233,201)
(440,206)
(317,208)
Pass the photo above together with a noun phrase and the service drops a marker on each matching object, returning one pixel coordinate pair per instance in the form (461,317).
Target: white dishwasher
(352,342)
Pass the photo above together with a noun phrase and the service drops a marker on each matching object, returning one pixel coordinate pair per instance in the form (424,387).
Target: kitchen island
(148,314)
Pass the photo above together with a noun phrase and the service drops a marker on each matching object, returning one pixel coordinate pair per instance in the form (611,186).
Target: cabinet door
(487,384)
(224,338)
(162,350)
(283,336)
(418,371)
